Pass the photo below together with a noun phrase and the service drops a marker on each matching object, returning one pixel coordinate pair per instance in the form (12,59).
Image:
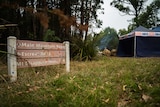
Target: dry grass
(108,81)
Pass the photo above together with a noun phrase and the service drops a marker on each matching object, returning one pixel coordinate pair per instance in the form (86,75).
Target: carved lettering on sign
(25,44)
(35,53)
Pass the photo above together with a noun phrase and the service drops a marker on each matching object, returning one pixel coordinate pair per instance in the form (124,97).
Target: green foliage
(146,16)
(125,31)
(125,6)
(49,36)
(113,44)
(30,36)
(37,21)
(150,17)
(122,32)
(83,50)
(107,39)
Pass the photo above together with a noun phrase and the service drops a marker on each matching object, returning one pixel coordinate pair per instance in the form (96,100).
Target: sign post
(11,57)
(67,56)
(25,53)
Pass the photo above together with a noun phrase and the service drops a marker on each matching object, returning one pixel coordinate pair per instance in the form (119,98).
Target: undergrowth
(106,82)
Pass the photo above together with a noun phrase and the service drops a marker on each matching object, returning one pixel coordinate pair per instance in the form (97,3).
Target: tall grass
(106,82)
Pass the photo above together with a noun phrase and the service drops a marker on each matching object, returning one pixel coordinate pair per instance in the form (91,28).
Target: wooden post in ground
(11,58)
(67,56)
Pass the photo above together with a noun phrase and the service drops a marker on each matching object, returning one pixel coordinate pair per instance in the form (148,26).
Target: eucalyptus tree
(150,17)
(130,7)
(86,12)
(34,17)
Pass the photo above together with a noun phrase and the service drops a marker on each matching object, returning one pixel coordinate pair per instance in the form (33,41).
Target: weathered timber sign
(25,53)
(26,44)
(34,62)
(40,53)
(36,53)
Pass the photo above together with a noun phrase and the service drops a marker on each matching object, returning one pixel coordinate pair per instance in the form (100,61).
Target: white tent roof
(140,31)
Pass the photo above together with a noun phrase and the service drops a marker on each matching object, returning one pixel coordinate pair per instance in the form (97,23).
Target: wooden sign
(25,53)
(36,53)
(39,62)
(40,53)
(26,44)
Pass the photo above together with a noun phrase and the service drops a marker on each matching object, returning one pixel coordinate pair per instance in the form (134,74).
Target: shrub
(83,50)
(49,36)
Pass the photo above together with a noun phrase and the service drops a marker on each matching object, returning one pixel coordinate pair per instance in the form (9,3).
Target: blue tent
(141,42)
(156,29)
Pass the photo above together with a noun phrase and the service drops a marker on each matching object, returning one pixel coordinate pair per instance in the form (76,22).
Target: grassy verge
(111,82)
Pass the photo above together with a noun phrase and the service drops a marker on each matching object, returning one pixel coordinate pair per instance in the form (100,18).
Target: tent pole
(135,43)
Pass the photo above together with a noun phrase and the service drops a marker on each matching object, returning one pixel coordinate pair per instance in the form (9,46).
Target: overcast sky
(113,18)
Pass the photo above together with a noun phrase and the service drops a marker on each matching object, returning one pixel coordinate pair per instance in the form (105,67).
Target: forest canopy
(64,18)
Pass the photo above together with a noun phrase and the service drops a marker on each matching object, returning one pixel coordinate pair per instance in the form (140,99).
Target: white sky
(113,18)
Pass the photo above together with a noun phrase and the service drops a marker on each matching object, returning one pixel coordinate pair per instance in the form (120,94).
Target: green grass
(106,82)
